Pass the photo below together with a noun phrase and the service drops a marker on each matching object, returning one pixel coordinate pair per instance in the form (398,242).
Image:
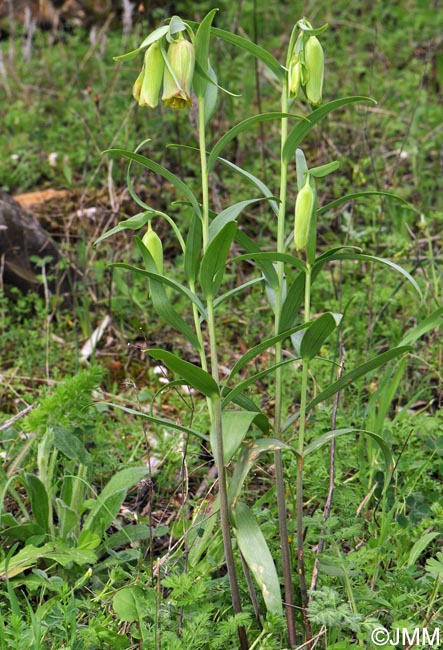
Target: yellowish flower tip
(304,206)
(148,84)
(315,69)
(181,58)
(294,76)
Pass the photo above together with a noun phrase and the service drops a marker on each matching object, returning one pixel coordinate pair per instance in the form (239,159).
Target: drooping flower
(147,86)
(315,65)
(177,86)
(154,245)
(304,207)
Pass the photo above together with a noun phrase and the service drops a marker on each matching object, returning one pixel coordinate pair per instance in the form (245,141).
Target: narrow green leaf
(133,223)
(162,422)
(324,170)
(419,547)
(230,395)
(264,189)
(257,555)
(179,185)
(235,290)
(249,455)
(266,268)
(67,517)
(358,372)
(211,94)
(229,214)
(381,260)
(330,435)
(259,52)
(272,256)
(195,376)
(293,300)
(297,134)
(316,334)
(235,427)
(40,503)
(361,195)
(30,556)
(193,249)
(244,126)
(156,35)
(430,323)
(261,347)
(201,44)
(214,260)
(261,420)
(70,446)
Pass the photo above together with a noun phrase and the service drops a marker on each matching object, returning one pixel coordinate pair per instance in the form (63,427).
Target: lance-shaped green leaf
(235,290)
(162,422)
(214,260)
(231,395)
(30,556)
(193,249)
(261,420)
(229,214)
(249,455)
(361,195)
(195,376)
(259,52)
(235,427)
(324,170)
(244,126)
(201,45)
(179,185)
(266,268)
(261,347)
(349,377)
(272,256)
(133,223)
(308,342)
(264,189)
(419,547)
(293,300)
(431,322)
(39,501)
(298,133)
(257,556)
(331,435)
(372,258)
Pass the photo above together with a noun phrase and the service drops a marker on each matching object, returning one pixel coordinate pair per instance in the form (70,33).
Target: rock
(22,238)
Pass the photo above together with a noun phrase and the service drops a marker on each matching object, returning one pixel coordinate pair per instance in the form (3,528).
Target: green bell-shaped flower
(148,84)
(177,87)
(315,66)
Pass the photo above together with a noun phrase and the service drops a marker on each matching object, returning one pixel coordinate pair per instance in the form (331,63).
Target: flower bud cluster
(175,74)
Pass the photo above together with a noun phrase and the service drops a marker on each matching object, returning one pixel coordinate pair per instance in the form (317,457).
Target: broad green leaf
(70,446)
(229,214)
(261,347)
(235,428)
(244,126)
(201,44)
(249,455)
(430,323)
(298,132)
(257,555)
(133,533)
(195,376)
(264,189)
(133,223)
(176,25)
(419,547)
(372,258)
(129,604)
(163,422)
(349,377)
(193,249)
(246,403)
(40,503)
(230,395)
(272,256)
(360,195)
(266,268)
(179,185)
(331,435)
(107,504)
(315,335)
(30,556)
(259,52)
(214,260)
(324,170)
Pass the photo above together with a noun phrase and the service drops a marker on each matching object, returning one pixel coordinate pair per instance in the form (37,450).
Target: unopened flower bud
(181,58)
(315,64)
(294,76)
(147,86)
(154,245)
(304,206)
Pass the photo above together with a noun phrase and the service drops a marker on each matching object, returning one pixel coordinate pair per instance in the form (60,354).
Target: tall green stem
(215,403)
(300,449)
(279,474)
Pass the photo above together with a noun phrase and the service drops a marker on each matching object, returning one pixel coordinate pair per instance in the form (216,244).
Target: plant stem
(279,474)
(300,449)
(215,402)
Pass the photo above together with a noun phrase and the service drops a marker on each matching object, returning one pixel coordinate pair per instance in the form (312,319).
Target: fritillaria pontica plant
(177,68)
